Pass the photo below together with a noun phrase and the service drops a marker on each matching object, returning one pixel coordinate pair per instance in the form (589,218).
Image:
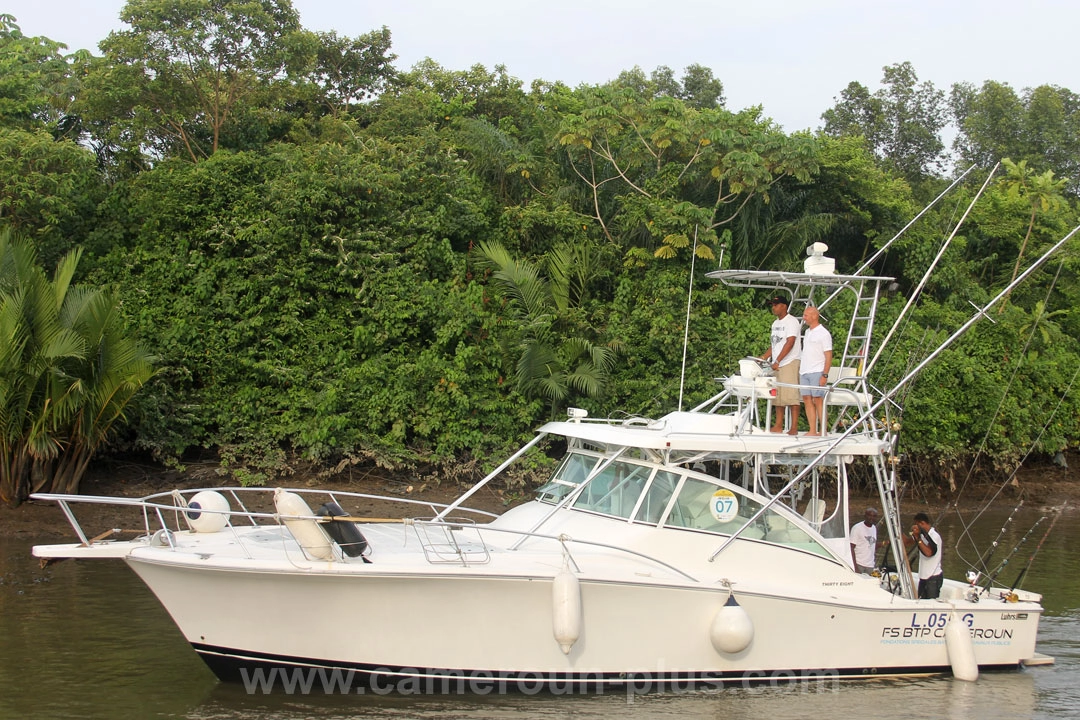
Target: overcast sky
(793,57)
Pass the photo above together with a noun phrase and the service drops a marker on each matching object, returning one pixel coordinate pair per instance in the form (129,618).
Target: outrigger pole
(882,250)
(929,270)
(894,534)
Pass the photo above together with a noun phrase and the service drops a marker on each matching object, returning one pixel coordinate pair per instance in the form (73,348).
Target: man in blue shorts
(816,360)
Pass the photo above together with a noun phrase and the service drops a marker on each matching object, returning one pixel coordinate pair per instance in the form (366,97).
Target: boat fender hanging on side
(732,630)
(201,521)
(306,531)
(566,618)
(961,650)
(346,534)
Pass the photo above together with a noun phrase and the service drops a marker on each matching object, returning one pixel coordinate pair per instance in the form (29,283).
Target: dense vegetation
(337,261)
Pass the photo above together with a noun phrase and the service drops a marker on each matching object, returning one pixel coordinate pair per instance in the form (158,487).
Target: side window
(657,497)
(705,506)
(782,531)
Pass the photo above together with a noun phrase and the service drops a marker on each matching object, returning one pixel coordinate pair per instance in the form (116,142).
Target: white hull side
(504,625)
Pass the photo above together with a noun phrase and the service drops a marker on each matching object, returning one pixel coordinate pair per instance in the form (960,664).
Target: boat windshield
(646,494)
(571,472)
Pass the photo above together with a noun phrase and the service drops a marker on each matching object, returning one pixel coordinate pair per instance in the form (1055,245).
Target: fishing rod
(981,564)
(1023,571)
(991,577)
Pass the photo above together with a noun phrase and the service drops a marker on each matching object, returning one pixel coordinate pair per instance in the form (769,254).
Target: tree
(67,372)
(348,70)
(698,87)
(990,121)
(174,81)
(1040,126)
(1052,131)
(32,72)
(901,122)
(1040,192)
(657,169)
(46,186)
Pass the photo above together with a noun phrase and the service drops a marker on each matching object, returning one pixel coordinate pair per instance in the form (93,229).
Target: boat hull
(460,631)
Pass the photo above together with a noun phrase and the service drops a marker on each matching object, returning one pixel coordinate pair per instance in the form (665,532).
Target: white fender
(311,538)
(207,522)
(961,650)
(566,616)
(732,630)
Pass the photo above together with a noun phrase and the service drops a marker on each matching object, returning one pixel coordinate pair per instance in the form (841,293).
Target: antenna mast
(686,325)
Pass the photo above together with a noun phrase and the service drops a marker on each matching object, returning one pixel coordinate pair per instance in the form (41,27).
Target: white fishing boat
(693,548)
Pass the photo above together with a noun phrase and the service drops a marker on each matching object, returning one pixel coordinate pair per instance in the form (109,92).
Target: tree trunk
(70,469)
(14,475)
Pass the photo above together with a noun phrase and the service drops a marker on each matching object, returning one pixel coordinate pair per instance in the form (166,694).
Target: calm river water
(88,640)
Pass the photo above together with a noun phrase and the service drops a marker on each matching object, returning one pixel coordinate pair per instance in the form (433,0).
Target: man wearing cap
(784,353)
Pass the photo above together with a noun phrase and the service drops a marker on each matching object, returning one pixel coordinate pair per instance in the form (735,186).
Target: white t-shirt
(816,342)
(782,329)
(930,566)
(864,540)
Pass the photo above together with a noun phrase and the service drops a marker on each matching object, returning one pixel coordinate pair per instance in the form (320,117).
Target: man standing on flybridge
(814,370)
(784,352)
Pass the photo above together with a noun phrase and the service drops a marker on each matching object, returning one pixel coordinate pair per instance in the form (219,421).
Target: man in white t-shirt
(784,351)
(927,539)
(814,370)
(864,542)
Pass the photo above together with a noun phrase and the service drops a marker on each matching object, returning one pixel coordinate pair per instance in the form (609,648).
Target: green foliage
(316,304)
(657,169)
(344,263)
(560,358)
(39,84)
(1040,126)
(48,188)
(67,372)
(1002,391)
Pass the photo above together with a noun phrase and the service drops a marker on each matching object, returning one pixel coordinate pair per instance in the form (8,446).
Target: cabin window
(697,507)
(706,506)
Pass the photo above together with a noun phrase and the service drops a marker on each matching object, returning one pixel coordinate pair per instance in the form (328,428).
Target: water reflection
(88,640)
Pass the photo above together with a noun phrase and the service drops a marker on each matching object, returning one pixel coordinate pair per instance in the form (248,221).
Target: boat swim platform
(1038,660)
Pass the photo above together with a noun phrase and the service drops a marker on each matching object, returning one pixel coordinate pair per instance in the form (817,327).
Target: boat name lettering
(912,632)
(991,633)
(838,583)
